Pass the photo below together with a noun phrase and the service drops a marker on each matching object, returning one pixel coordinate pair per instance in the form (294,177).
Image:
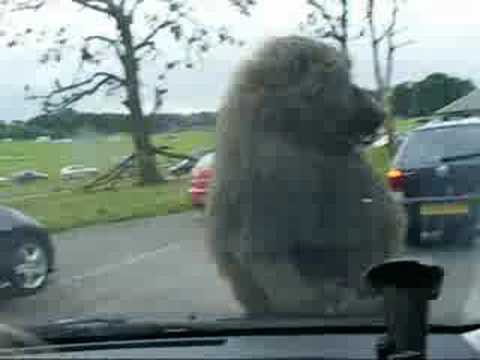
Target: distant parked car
(62,141)
(43,139)
(183,167)
(27,254)
(77,172)
(28,176)
(202,175)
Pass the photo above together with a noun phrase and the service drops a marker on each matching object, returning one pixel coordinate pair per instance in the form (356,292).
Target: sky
(445,37)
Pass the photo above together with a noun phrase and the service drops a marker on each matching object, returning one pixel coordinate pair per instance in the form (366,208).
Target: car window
(427,147)
(311,110)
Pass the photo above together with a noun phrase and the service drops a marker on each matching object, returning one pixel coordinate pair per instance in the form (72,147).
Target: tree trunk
(389,126)
(383,82)
(140,125)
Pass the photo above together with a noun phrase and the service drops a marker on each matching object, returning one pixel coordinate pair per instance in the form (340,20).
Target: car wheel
(30,266)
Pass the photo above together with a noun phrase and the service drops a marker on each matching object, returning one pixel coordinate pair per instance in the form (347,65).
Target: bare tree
(129,18)
(383,74)
(331,19)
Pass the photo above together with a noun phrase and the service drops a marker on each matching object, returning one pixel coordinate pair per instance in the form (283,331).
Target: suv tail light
(396,180)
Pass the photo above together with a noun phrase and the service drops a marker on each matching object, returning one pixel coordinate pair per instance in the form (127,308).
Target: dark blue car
(436,175)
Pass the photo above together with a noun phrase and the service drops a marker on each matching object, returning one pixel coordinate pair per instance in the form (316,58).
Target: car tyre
(30,266)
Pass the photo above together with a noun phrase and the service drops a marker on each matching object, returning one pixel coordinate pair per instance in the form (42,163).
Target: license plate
(444,209)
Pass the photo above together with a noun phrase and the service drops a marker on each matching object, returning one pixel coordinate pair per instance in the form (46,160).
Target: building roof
(469,102)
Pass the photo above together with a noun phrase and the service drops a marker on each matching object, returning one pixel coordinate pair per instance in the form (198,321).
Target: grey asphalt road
(160,265)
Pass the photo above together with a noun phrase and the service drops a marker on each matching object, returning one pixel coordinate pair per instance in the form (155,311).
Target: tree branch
(134,7)
(101,38)
(161,151)
(374,41)
(76,96)
(96,5)
(344,26)
(105,75)
(338,26)
(92,6)
(321,8)
(28,5)
(107,40)
(73,98)
(147,40)
(158,100)
(390,30)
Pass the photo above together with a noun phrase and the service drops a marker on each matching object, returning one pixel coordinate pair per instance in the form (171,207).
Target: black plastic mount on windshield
(407,286)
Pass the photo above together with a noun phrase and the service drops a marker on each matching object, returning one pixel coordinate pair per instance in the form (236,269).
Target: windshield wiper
(155,326)
(111,327)
(460,157)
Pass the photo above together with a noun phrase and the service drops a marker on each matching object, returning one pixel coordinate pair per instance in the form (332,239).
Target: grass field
(61,211)
(89,150)
(61,205)
(405,125)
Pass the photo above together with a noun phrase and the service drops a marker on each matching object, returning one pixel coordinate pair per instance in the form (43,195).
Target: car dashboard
(297,346)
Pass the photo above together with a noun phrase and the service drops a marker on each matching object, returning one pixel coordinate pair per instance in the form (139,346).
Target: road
(160,265)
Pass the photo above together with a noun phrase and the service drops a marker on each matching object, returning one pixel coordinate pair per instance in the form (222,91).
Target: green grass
(405,125)
(61,205)
(378,159)
(89,150)
(63,211)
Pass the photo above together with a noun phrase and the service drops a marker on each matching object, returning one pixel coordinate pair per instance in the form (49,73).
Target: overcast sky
(446,35)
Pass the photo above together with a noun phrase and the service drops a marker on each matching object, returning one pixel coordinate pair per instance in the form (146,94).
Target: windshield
(428,147)
(182,157)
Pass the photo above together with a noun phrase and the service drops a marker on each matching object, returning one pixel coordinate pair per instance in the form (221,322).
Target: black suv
(436,175)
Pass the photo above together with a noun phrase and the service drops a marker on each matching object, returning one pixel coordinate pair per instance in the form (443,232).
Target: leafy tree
(135,38)
(424,97)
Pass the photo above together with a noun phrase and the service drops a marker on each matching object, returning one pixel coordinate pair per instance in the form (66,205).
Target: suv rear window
(426,147)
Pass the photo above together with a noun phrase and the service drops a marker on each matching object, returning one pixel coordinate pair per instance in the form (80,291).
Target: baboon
(295,214)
